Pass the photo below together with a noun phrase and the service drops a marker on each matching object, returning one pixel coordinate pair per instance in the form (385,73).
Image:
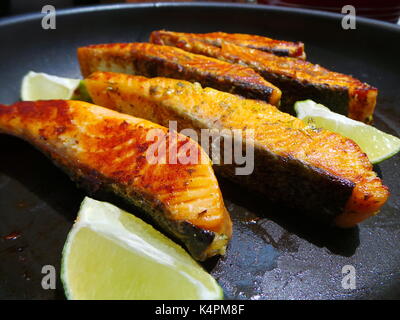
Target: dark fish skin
(317,172)
(298,79)
(285,180)
(277,47)
(101,149)
(153,60)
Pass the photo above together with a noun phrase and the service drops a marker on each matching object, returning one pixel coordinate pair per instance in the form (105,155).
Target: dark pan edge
(217,5)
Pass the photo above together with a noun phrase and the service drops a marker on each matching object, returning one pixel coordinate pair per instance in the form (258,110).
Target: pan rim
(22,18)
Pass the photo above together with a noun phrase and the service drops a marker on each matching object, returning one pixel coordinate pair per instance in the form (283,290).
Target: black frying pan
(274,254)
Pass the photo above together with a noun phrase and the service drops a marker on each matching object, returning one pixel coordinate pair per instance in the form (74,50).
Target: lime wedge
(42,86)
(376,144)
(111,254)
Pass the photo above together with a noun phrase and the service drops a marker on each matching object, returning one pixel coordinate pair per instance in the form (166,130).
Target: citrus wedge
(376,144)
(111,254)
(42,86)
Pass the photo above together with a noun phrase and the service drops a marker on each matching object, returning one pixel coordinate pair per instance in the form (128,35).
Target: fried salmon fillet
(321,172)
(277,47)
(101,148)
(152,60)
(298,79)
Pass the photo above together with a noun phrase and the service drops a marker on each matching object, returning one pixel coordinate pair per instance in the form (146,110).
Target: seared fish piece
(277,47)
(101,148)
(152,60)
(317,171)
(298,79)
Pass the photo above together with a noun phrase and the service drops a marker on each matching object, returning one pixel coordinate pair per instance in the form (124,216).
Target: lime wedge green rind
(376,144)
(111,254)
(81,93)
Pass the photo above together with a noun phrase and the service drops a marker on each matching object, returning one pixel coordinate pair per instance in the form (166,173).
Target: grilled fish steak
(277,47)
(101,148)
(298,79)
(321,172)
(152,60)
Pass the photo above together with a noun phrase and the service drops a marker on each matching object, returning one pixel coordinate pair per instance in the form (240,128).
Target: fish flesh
(153,60)
(315,171)
(103,149)
(298,79)
(277,47)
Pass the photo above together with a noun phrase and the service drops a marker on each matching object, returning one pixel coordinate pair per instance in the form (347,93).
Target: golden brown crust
(277,47)
(108,149)
(154,60)
(298,80)
(275,132)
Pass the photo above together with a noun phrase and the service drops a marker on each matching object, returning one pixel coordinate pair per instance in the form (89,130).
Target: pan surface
(275,253)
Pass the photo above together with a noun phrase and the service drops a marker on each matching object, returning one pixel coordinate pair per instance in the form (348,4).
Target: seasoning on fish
(103,149)
(317,172)
(277,47)
(298,79)
(152,60)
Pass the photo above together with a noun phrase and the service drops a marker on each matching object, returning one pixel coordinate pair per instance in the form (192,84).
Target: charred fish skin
(297,90)
(153,60)
(298,79)
(102,149)
(277,47)
(315,171)
(288,181)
